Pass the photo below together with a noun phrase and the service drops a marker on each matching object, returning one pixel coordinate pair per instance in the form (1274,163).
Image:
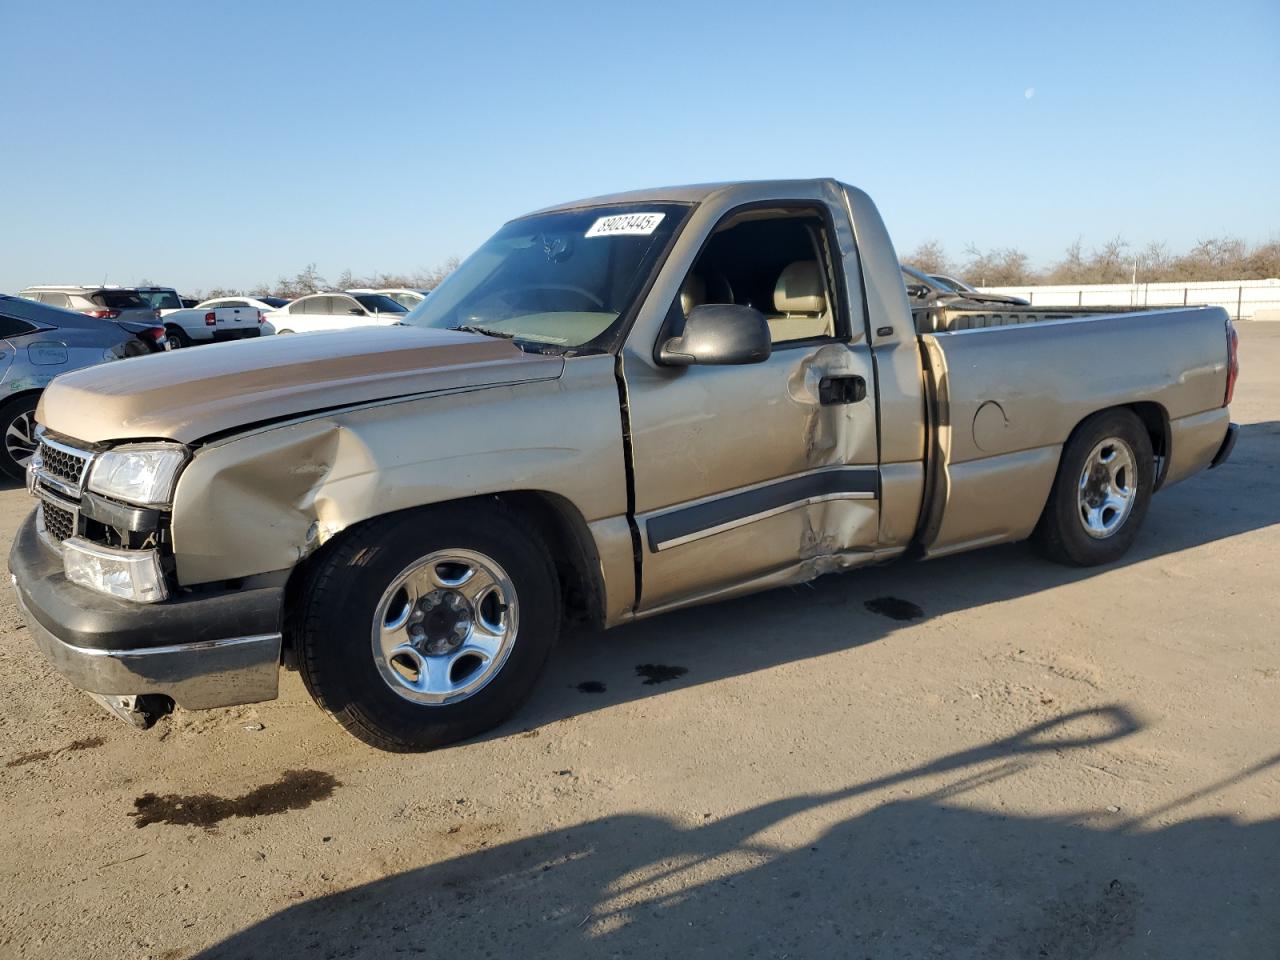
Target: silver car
(37,343)
(103,302)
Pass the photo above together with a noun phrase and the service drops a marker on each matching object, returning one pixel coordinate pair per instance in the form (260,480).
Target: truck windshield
(561,279)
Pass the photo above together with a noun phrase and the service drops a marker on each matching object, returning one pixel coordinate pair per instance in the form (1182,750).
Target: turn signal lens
(127,574)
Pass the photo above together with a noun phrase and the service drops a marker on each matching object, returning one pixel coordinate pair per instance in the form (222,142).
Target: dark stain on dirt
(894,609)
(294,790)
(592,686)
(659,672)
(1087,923)
(35,756)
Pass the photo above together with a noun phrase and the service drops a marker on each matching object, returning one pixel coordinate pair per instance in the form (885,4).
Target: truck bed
(1005,398)
(945,319)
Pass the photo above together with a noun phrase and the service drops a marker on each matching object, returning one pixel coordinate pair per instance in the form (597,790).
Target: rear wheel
(177,336)
(1101,493)
(421,630)
(18,427)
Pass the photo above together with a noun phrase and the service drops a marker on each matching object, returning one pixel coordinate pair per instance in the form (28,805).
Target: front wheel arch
(556,519)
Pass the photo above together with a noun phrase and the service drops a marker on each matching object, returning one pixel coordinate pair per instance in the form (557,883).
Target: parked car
(405,296)
(37,343)
(955,284)
(924,289)
(222,318)
(615,408)
(103,302)
(336,311)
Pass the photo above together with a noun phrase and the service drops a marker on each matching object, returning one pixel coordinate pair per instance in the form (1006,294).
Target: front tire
(1101,493)
(422,629)
(17,427)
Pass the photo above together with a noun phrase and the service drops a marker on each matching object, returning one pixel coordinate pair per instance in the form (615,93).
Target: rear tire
(1101,493)
(17,427)
(344,614)
(177,336)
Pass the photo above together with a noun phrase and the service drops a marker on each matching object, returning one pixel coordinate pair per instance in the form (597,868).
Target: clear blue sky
(206,144)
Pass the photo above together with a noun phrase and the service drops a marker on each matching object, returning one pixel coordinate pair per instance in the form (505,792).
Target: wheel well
(1156,419)
(557,521)
(572,550)
(20,395)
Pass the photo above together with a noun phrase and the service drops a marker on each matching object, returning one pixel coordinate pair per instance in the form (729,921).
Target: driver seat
(800,302)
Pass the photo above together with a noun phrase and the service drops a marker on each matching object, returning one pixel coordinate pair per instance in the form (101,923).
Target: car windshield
(562,279)
(379,302)
(162,299)
(276,302)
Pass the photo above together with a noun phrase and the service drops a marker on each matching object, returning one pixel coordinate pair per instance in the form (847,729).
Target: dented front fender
(261,501)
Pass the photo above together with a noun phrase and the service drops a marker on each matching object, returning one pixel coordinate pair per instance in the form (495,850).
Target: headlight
(142,473)
(127,574)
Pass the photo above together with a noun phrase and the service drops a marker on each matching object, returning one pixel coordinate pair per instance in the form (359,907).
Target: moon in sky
(1029,92)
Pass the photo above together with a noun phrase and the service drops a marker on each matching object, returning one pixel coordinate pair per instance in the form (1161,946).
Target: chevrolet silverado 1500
(614,408)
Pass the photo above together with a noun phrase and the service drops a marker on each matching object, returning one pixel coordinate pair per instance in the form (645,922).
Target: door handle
(833,391)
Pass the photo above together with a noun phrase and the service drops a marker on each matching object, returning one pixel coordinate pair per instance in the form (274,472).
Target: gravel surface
(983,756)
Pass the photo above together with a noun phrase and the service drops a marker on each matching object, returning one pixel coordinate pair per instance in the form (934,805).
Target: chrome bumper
(197,676)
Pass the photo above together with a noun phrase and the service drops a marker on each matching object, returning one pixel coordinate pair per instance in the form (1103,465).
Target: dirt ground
(984,756)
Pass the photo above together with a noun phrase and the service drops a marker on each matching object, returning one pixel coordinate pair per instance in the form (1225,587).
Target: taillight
(104,314)
(1233,362)
(210,319)
(154,334)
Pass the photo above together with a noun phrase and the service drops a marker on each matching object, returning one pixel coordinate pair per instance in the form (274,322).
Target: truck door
(767,470)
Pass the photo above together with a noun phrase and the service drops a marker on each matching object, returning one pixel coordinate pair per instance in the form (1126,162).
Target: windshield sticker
(626,225)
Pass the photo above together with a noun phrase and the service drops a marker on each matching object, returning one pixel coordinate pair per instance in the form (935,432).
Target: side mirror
(719,333)
(917,290)
(355,311)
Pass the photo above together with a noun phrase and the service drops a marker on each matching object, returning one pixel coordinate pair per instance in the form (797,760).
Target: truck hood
(189,394)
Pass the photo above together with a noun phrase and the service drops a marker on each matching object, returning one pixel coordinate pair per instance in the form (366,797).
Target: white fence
(1243,299)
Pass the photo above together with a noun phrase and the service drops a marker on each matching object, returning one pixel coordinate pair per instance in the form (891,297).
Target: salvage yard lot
(986,756)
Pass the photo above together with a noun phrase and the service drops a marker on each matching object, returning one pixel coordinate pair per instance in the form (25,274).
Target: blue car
(38,342)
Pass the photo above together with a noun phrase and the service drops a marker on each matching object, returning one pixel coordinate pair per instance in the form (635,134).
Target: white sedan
(405,296)
(336,311)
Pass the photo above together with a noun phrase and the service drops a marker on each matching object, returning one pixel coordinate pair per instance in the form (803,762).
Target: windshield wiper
(485,331)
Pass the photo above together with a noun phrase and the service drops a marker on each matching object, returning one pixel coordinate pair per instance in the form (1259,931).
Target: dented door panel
(740,470)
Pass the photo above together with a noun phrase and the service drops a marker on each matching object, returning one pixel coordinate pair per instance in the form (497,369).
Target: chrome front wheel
(445,626)
(1108,488)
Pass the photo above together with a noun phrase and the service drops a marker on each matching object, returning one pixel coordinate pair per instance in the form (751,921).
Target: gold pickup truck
(614,408)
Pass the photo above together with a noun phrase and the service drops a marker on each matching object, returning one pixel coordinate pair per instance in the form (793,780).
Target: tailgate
(236,319)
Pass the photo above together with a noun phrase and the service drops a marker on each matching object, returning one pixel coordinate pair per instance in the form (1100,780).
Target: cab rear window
(120,300)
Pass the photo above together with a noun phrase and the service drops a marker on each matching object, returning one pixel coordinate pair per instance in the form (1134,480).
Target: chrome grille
(58,523)
(61,462)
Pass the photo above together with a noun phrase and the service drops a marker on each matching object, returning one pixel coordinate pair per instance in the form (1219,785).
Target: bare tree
(929,257)
(1001,267)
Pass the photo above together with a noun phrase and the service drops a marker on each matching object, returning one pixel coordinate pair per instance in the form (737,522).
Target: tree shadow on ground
(913,874)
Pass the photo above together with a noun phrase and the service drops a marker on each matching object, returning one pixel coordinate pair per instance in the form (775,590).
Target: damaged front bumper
(201,650)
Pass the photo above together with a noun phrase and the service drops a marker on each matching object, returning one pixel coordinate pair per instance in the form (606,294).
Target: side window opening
(777,261)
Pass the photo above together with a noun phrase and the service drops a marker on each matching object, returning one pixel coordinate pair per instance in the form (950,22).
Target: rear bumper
(203,651)
(247,333)
(1228,444)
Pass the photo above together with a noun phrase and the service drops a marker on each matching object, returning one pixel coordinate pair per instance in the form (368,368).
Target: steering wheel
(571,288)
